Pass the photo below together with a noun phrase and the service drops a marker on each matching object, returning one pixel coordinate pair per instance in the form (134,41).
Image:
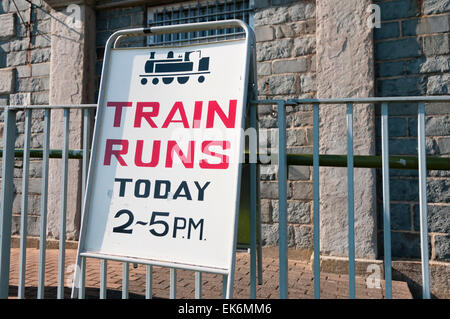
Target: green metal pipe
(364,161)
(37,153)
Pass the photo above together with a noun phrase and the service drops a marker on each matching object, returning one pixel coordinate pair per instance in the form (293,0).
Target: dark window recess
(200,12)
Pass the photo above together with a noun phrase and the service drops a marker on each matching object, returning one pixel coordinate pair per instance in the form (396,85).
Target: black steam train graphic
(189,64)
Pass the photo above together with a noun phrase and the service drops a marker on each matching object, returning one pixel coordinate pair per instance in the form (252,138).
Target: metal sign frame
(249,93)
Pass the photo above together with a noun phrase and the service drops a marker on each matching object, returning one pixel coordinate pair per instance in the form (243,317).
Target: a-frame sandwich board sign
(164,174)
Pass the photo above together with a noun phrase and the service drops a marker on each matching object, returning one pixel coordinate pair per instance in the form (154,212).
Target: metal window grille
(200,12)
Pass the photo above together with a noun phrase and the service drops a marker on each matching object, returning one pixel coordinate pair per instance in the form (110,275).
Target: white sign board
(165,182)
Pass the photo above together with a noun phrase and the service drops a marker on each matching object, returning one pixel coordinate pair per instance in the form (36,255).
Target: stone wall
(24,79)
(286,56)
(413,58)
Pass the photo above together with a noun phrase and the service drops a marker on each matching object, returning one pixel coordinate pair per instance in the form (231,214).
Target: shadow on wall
(414,285)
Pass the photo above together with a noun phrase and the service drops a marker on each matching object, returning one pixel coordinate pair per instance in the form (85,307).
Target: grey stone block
(7,26)
(304,46)
(405,245)
(297,212)
(409,27)
(303,237)
(20,5)
(269,190)
(399,9)
(435,64)
(18,45)
(16,58)
(436,24)
(412,86)
(296,137)
(4,6)
(23,71)
(41,41)
(268,122)
(308,83)
(264,68)
(438,191)
(299,173)
(264,33)
(444,145)
(435,6)
(262,4)
(397,49)
(39,98)
(40,69)
(400,217)
(389,69)
(290,66)
(32,84)
(269,234)
(283,84)
(33,225)
(7,77)
(438,84)
(442,247)
(272,50)
(271,16)
(40,55)
(302,190)
(4,100)
(438,218)
(387,30)
(435,126)
(404,189)
(300,119)
(302,10)
(397,127)
(266,211)
(436,44)
(20,99)
(437,108)
(34,204)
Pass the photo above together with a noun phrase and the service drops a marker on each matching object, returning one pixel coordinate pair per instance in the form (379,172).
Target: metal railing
(7,196)
(422,163)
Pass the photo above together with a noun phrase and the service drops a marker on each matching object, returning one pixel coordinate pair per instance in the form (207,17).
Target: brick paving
(301,282)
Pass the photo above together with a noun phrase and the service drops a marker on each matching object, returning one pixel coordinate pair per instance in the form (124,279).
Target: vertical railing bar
(149,282)
(103,278)
(24,206)
(351,215)
(86,146)
(423,202)
(253,194)
(316,203)
(125,279)
(7,196)
(44,198)
(198,285)
(173,283)
(282,200)
(224,286)
(62,228)
(386,201)
(82,279)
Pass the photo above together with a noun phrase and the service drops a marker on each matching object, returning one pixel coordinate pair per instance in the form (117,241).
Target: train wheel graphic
(143,81)
(155,81)
(201,79)
(167,80)
(182,79)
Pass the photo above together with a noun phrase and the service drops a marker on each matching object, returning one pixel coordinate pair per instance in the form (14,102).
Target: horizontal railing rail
(421,162)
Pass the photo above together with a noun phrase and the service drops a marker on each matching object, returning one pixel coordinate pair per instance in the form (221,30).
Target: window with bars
(202,11)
